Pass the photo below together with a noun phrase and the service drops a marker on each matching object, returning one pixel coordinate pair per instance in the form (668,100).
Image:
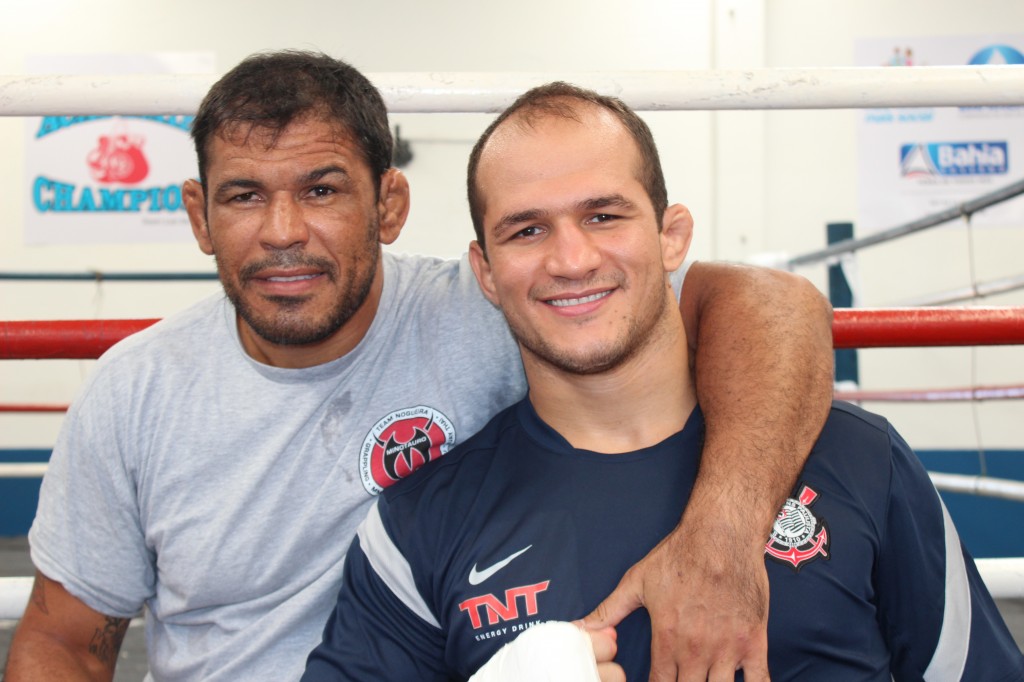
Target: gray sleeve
(87,533)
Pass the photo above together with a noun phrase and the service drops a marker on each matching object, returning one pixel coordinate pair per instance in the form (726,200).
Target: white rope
(970,293)
(986,486)
(424,92)
(22,469)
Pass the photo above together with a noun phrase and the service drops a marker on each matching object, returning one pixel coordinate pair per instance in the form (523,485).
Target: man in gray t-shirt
(214,466)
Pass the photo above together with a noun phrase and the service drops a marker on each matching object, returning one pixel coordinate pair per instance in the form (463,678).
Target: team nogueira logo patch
(400,443)
(798,536)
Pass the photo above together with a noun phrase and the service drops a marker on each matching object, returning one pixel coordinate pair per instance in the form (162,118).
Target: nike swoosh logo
(476,577)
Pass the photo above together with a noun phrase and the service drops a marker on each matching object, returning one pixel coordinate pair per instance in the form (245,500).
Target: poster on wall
(916,162)
(109,179)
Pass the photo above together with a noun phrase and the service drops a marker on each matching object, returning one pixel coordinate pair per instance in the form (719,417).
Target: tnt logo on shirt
(496,609)
(400,443)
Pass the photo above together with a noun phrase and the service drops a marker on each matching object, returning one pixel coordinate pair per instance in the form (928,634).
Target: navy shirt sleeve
(934,610)
(373,635)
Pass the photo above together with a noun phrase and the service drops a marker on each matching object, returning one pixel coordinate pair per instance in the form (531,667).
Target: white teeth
(296,278)
(566,302)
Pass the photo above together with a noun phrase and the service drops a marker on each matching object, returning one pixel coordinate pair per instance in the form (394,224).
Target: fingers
(754,672)
(665,644)
(611,672)
(626,598)
(604,643)
(695,657)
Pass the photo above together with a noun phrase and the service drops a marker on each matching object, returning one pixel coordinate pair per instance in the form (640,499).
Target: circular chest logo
(400,443)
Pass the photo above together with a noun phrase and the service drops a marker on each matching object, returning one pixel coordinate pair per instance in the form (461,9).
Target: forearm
(761,344)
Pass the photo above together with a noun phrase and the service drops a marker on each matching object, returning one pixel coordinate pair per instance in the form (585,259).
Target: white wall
(445,35)
(812,180)
(756,182)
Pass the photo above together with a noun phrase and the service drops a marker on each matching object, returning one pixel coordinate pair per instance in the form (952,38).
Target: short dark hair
(270,90)
(556,99)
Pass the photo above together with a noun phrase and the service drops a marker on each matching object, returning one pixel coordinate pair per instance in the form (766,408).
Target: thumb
(624,600)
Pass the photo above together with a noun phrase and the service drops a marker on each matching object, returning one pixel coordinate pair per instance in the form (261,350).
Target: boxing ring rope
(970,393)
(964,210)
(978,290)
(99,276)
(851,328)
(469,92)
(33,407)
(64,339)
(466,92)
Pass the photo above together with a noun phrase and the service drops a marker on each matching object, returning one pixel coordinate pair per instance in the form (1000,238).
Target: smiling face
(574,256)
(296,225)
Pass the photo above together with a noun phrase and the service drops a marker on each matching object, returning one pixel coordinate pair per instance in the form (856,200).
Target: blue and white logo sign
(997,54)
(953,159)
(915,162)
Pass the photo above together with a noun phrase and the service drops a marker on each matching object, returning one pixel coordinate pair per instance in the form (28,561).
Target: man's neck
(635,405)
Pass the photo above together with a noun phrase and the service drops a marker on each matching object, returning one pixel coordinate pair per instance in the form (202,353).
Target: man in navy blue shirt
(537,517)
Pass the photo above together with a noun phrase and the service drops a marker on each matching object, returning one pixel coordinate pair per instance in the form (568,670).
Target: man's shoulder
(168,329)
(853,426)
(178,340)
(458,473)
(416,268)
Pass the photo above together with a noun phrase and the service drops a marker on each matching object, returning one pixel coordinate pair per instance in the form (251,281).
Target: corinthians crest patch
(798,536)
(402,442)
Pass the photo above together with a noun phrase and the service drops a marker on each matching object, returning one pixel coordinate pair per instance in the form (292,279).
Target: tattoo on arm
(106,642)
(39,596)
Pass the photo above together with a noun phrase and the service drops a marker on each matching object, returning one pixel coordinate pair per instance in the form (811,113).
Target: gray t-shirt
(222,494)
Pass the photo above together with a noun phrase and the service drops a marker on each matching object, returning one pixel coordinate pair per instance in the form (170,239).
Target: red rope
(900,327)
(63,339)
(852,328)
(32,407)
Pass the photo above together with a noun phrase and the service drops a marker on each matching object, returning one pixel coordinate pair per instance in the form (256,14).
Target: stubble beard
(289,324)
(640,331)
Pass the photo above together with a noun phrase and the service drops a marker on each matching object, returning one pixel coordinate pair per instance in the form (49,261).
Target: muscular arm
(761,346)
(60,638)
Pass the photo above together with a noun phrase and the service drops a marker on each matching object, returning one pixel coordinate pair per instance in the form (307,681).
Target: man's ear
(482,270)
(676,233)
(393,204)
(195,206)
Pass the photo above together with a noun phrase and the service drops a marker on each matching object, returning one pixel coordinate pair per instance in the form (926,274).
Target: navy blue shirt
(868,578)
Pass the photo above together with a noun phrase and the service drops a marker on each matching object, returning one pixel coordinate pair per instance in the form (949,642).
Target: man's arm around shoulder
(60,638)
(761,344)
